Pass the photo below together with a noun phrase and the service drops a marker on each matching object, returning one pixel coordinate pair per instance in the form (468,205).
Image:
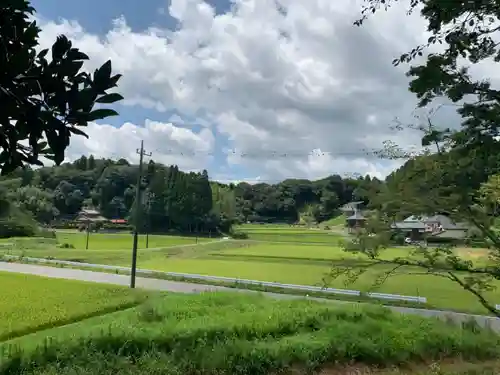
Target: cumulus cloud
(169,144)
(287,77)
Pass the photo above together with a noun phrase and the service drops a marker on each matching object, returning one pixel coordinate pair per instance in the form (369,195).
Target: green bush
(398,238)
(12,228)
(239,236)
(124,227)
(17,223)
(66,245)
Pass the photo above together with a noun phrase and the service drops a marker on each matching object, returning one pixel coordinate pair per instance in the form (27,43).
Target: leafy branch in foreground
(43,102)
(460,179)
(427,185)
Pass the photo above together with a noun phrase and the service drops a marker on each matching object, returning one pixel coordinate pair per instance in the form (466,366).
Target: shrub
(240,236)
(66,245)
(17,223)
(398,238)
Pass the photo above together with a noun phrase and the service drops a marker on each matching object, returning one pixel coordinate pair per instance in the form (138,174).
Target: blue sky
(269,94)
(96,17)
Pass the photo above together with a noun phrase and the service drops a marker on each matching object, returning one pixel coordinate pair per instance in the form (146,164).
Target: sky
(251,90)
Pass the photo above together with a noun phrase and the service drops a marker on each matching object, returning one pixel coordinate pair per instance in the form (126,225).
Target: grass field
(100,241)
(30,303)
(121,241)
(235,334)
(297,262)
(289,234)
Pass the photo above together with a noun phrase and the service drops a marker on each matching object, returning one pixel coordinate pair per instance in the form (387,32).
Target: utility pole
(137,218)
(150,197)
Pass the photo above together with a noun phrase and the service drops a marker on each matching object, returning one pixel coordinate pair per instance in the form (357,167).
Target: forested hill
(320,200)
(172,198)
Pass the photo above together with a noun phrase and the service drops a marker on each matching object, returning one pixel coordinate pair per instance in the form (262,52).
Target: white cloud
(167,143)
(289,80)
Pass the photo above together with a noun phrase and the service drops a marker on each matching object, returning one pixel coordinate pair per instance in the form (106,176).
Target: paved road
(183,287)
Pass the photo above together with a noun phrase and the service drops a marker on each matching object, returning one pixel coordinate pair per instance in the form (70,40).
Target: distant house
(417,227)
(351,208)
(355,221)
(354,215)
(87,216)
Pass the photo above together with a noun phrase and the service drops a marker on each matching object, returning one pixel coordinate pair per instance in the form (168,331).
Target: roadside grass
(29,303)
(221,333)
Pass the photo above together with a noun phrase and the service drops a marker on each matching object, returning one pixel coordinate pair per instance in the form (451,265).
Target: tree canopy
(175,200)
(459,177)
(43,102)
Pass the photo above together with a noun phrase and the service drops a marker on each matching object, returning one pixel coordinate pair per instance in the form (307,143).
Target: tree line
(293,199)
(173,199)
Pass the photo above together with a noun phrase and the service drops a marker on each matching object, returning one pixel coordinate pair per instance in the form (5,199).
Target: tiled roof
(408,225)
(351,206)
(420,222)
(356,216)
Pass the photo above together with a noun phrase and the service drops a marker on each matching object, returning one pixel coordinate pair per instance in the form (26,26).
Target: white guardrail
(308,288)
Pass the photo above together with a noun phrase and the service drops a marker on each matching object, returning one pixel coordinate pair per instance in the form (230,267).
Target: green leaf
(75,54)
(103,74)
(99,114)
(78,132)
(43,53)
(109,98)
(60,47)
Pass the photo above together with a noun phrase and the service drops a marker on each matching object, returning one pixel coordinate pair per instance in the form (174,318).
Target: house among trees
(351,208)
(355,221)
(354,215)
(89,216)
(418,227)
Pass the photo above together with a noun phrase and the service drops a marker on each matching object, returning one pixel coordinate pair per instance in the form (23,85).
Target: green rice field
(300,262)
(227,334)
(30,303)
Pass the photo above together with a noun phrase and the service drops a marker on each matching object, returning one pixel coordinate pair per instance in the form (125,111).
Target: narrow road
(183,287)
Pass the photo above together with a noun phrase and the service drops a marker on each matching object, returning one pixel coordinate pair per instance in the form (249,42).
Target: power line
(269,154)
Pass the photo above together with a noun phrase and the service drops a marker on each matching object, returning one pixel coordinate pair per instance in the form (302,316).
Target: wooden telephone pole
(138,212)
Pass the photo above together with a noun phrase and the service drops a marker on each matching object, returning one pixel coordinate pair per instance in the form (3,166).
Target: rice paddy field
(289,255)
(30,303)
(235,334)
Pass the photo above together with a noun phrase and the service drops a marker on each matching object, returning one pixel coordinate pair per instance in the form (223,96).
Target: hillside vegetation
(174,200)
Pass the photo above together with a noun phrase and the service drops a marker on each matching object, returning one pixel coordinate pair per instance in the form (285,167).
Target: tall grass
(235,334)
